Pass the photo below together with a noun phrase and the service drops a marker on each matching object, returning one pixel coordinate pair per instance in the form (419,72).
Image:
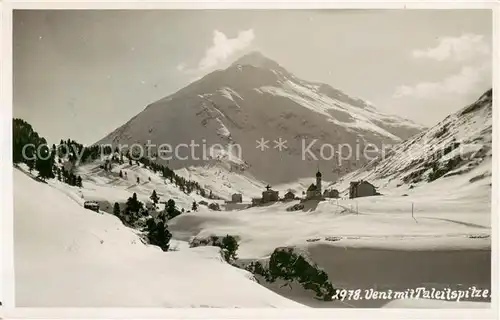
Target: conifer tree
(116,209)
(172,211)
(133,206)
(44,163)
(154,197)
(158,234)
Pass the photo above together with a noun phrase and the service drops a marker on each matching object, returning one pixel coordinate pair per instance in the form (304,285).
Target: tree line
(43,159)
(156,229)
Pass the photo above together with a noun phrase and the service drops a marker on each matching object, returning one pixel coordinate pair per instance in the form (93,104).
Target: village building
(314,191)
(91,205)
(237,198)
(289,196)
(236,203)
(270,195)
(331,193)
(361,189)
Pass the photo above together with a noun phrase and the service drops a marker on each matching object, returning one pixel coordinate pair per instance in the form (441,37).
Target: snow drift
(66,256)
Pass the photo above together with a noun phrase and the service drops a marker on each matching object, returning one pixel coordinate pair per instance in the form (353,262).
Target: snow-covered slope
(101,185)
(459,144)
(447,221)
(66,256)
(436,193)
(223,182)
(255,99)
(108,187)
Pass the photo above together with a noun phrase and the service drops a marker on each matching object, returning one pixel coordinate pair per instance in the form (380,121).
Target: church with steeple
(315,192)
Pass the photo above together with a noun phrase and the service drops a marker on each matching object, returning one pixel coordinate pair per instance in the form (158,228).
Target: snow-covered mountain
(459,144)
(255,98)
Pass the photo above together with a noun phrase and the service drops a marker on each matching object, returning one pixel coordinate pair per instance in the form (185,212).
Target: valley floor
(377,223)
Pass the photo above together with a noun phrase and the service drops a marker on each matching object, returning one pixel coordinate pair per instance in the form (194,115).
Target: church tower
(318,183)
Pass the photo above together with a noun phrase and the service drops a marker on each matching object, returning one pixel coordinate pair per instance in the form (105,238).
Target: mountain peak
(257,59)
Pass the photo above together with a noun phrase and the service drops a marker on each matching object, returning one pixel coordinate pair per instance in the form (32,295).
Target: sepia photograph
(252,158)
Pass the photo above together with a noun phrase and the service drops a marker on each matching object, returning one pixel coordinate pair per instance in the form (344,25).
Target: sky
(80,74)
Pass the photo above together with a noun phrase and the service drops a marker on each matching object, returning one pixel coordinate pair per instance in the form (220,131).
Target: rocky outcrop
(292,265)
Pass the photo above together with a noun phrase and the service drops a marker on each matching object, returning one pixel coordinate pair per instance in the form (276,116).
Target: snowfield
(465,136)
(223,182)
(441,222)
(67,256)
(314,101)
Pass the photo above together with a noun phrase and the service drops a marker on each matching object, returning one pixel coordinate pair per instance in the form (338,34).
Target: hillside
(459,144)
(67,256)
(255,98)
